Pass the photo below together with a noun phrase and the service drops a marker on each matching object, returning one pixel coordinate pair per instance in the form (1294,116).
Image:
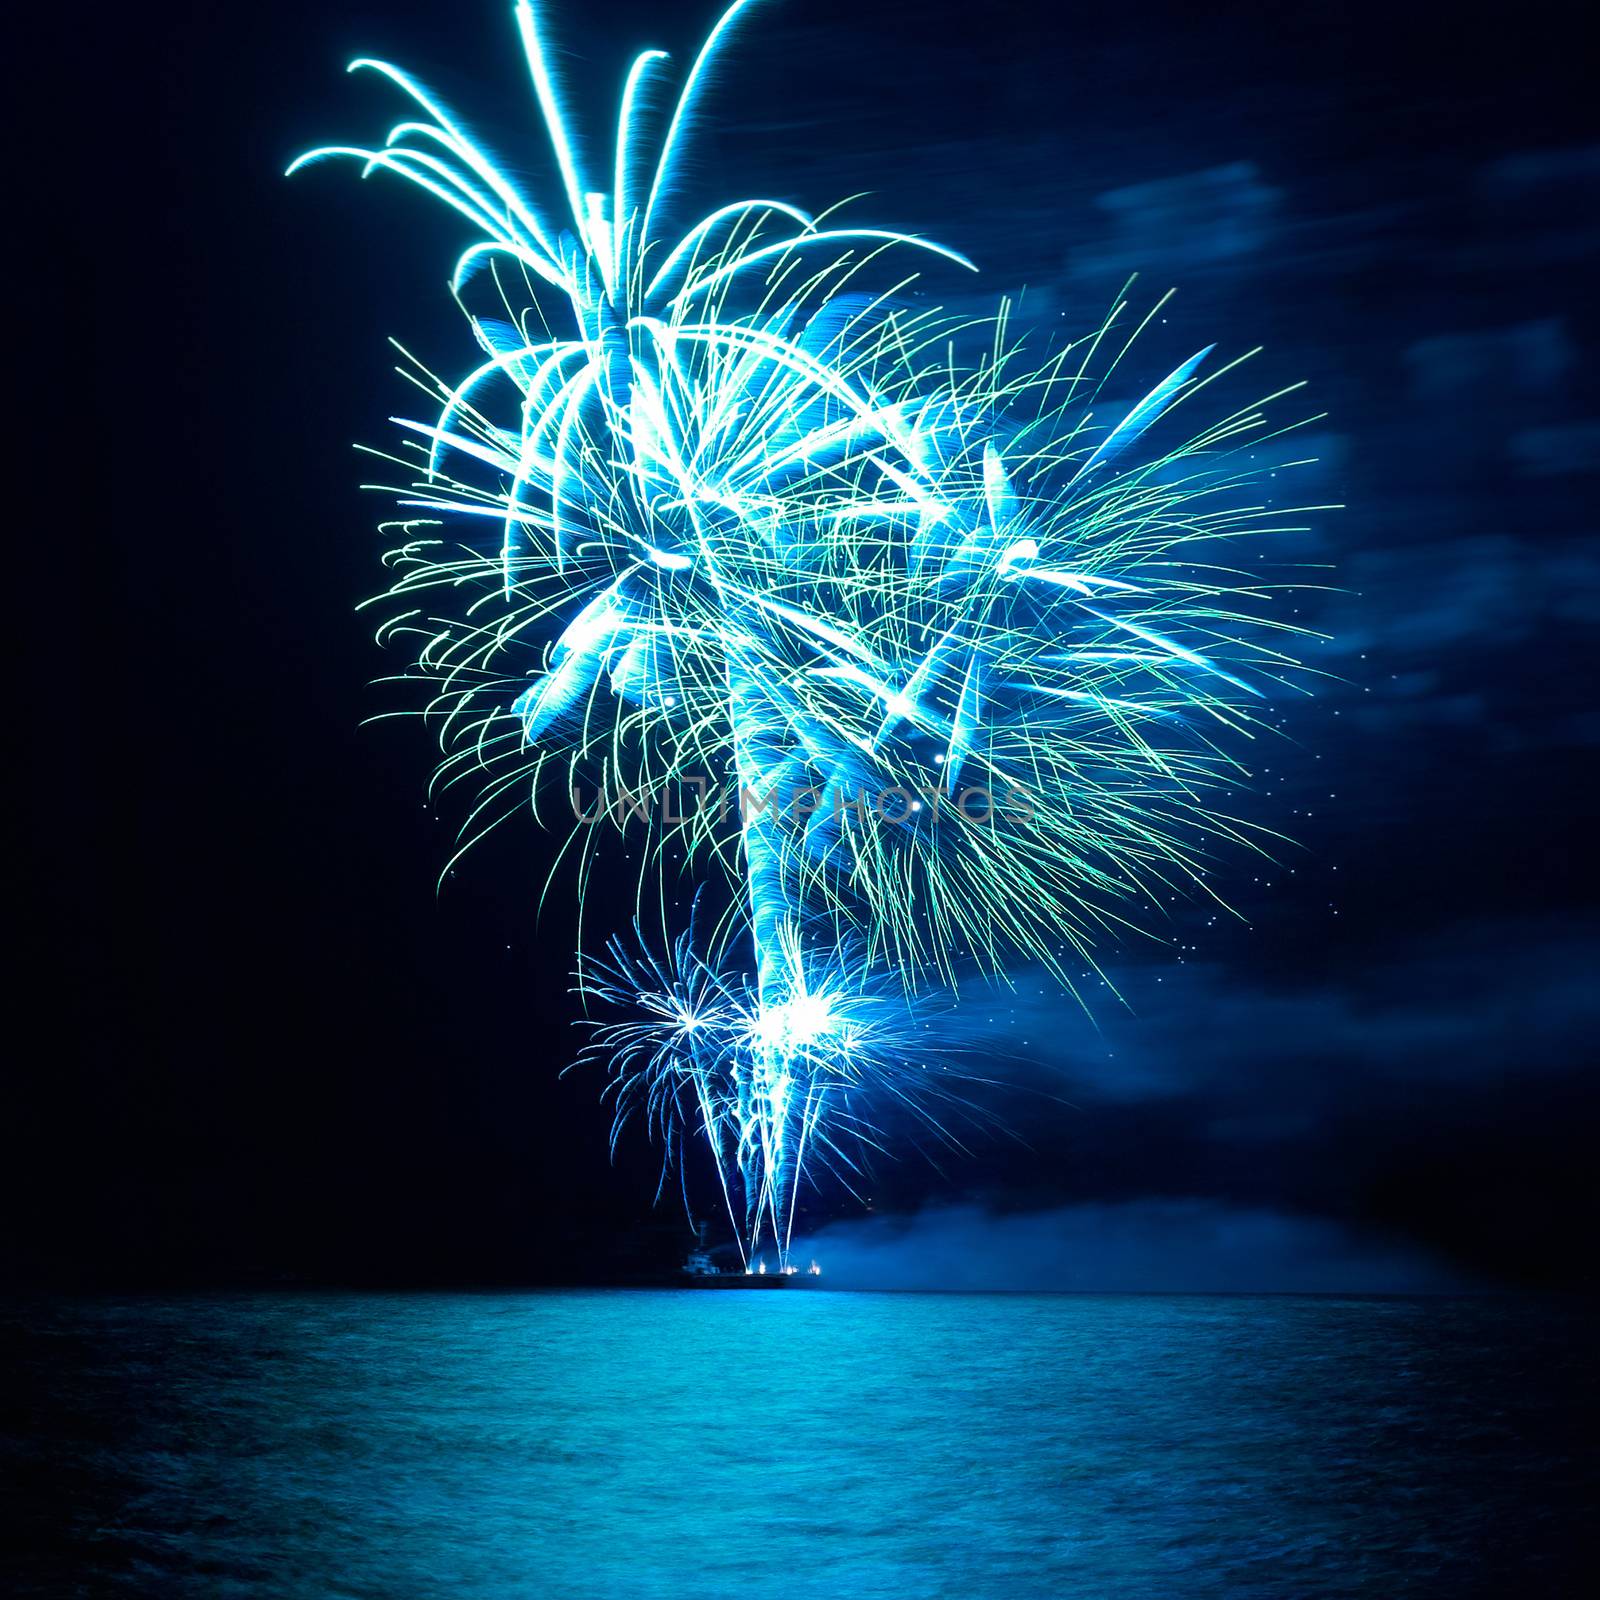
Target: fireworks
(959,656)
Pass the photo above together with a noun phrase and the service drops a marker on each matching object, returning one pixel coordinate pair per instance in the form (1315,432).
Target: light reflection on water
(662,1444)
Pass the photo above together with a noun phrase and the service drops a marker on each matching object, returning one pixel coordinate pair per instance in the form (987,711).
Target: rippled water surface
(645,1444)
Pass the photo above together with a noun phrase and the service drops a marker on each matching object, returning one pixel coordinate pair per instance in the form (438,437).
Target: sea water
(657,1445)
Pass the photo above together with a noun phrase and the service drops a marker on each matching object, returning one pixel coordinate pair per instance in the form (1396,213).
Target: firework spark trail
(752,513)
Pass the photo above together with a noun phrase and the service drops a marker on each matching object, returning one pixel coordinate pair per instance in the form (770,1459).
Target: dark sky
(255,1041)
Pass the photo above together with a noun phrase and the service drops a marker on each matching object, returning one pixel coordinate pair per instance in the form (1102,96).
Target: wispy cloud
(1151,1245)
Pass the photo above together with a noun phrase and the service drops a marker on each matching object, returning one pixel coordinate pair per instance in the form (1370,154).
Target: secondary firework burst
(729,508)
(766,1087)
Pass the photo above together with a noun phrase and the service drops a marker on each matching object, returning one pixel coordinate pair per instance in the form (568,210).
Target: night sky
(256,1043)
